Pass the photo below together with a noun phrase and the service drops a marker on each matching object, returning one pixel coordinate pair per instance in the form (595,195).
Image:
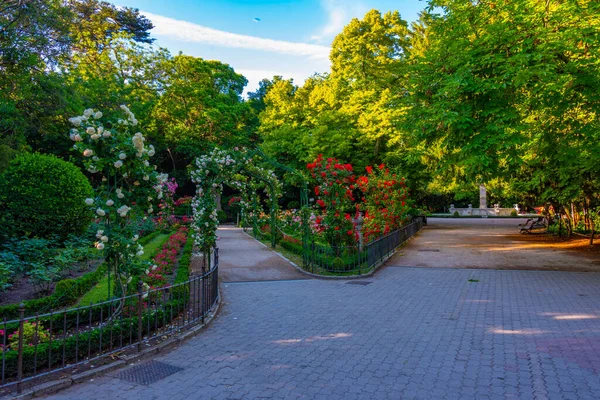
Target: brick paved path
(241,258)
(412,333)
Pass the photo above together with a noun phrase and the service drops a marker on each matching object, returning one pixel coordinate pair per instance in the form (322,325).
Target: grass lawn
(100,292)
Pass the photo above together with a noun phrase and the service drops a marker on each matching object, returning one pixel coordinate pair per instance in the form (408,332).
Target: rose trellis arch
(238,169)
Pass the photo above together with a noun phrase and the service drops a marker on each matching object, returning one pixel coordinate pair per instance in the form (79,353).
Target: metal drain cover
(361,283)
(148,373)
(430,250)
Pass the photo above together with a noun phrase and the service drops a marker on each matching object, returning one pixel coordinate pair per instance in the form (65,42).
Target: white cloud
(339,14)
(190,32)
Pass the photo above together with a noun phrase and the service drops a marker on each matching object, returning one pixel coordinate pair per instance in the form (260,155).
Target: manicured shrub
(455,214)
(513,213)
(42,195)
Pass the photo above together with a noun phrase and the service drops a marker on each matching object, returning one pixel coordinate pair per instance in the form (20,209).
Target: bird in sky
(256,19)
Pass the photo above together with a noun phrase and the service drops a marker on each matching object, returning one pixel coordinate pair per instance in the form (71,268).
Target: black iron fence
(41,345)
(383,248)
(322,258)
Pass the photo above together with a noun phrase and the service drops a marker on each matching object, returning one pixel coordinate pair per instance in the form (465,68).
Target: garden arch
(239,169)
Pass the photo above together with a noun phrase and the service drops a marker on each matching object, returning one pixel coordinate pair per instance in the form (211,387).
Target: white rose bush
(118,159)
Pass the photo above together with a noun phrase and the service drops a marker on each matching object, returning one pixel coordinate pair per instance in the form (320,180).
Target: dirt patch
(22,290)
(495,244)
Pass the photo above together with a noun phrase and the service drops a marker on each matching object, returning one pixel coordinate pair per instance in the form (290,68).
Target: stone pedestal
(482,197)
(358,223)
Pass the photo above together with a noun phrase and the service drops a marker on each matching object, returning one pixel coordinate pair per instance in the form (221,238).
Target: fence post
(20,350)
(139,315)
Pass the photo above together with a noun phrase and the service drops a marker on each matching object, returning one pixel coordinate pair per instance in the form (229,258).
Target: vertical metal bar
(149,315)
(139,317)
(89,330)
(194,299)
(4,352)
(50,340)
(164,308)
(171,308)
(203,295)
(101,329)
(156,313)
(77,337)
(64,338)
(36,339)
(110,315)
(20,349)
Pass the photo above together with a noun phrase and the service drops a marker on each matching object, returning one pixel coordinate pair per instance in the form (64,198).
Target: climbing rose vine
(118,158)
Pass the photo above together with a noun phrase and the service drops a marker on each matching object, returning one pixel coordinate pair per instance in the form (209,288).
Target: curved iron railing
(41,345)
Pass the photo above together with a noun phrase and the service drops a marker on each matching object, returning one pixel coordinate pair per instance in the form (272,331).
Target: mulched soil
(22,290)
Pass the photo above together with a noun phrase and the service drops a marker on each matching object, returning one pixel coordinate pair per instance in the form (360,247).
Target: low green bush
(455,214)
(43,196)
(513,213)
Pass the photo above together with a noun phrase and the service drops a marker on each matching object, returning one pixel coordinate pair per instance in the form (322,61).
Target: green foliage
(456,214)
(32,336)
(6,275)
(513,213)
(42,196)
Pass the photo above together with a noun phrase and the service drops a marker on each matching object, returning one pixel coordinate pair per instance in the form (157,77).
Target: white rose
(106,134)
(100,246)
(95,158)
(118,164)
(146,178)
(140,253)
(88,153)
(100,212)
(98,115)
(88,112)
(104,239)
(120,195)
(129,279)
(122,156)
(90,130)
(154,267)
(136,237)
(99,234)
(136,183)
(95,136)
(109,202)
(146,163)
(89,201)
(75,121)
(147,272)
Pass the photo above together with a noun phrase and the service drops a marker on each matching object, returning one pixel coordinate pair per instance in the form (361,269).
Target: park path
(405,332)
(493,244)
(243,259)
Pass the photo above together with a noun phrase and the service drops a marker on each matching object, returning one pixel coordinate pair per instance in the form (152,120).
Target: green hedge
(66,292)
(43,196)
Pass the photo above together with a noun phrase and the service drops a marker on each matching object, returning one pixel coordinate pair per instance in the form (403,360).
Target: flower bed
(77,334)
(165,260)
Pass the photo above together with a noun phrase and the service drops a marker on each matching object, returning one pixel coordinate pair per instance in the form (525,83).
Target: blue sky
(292,38)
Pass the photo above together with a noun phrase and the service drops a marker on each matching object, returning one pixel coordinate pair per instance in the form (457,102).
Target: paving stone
(412,333)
